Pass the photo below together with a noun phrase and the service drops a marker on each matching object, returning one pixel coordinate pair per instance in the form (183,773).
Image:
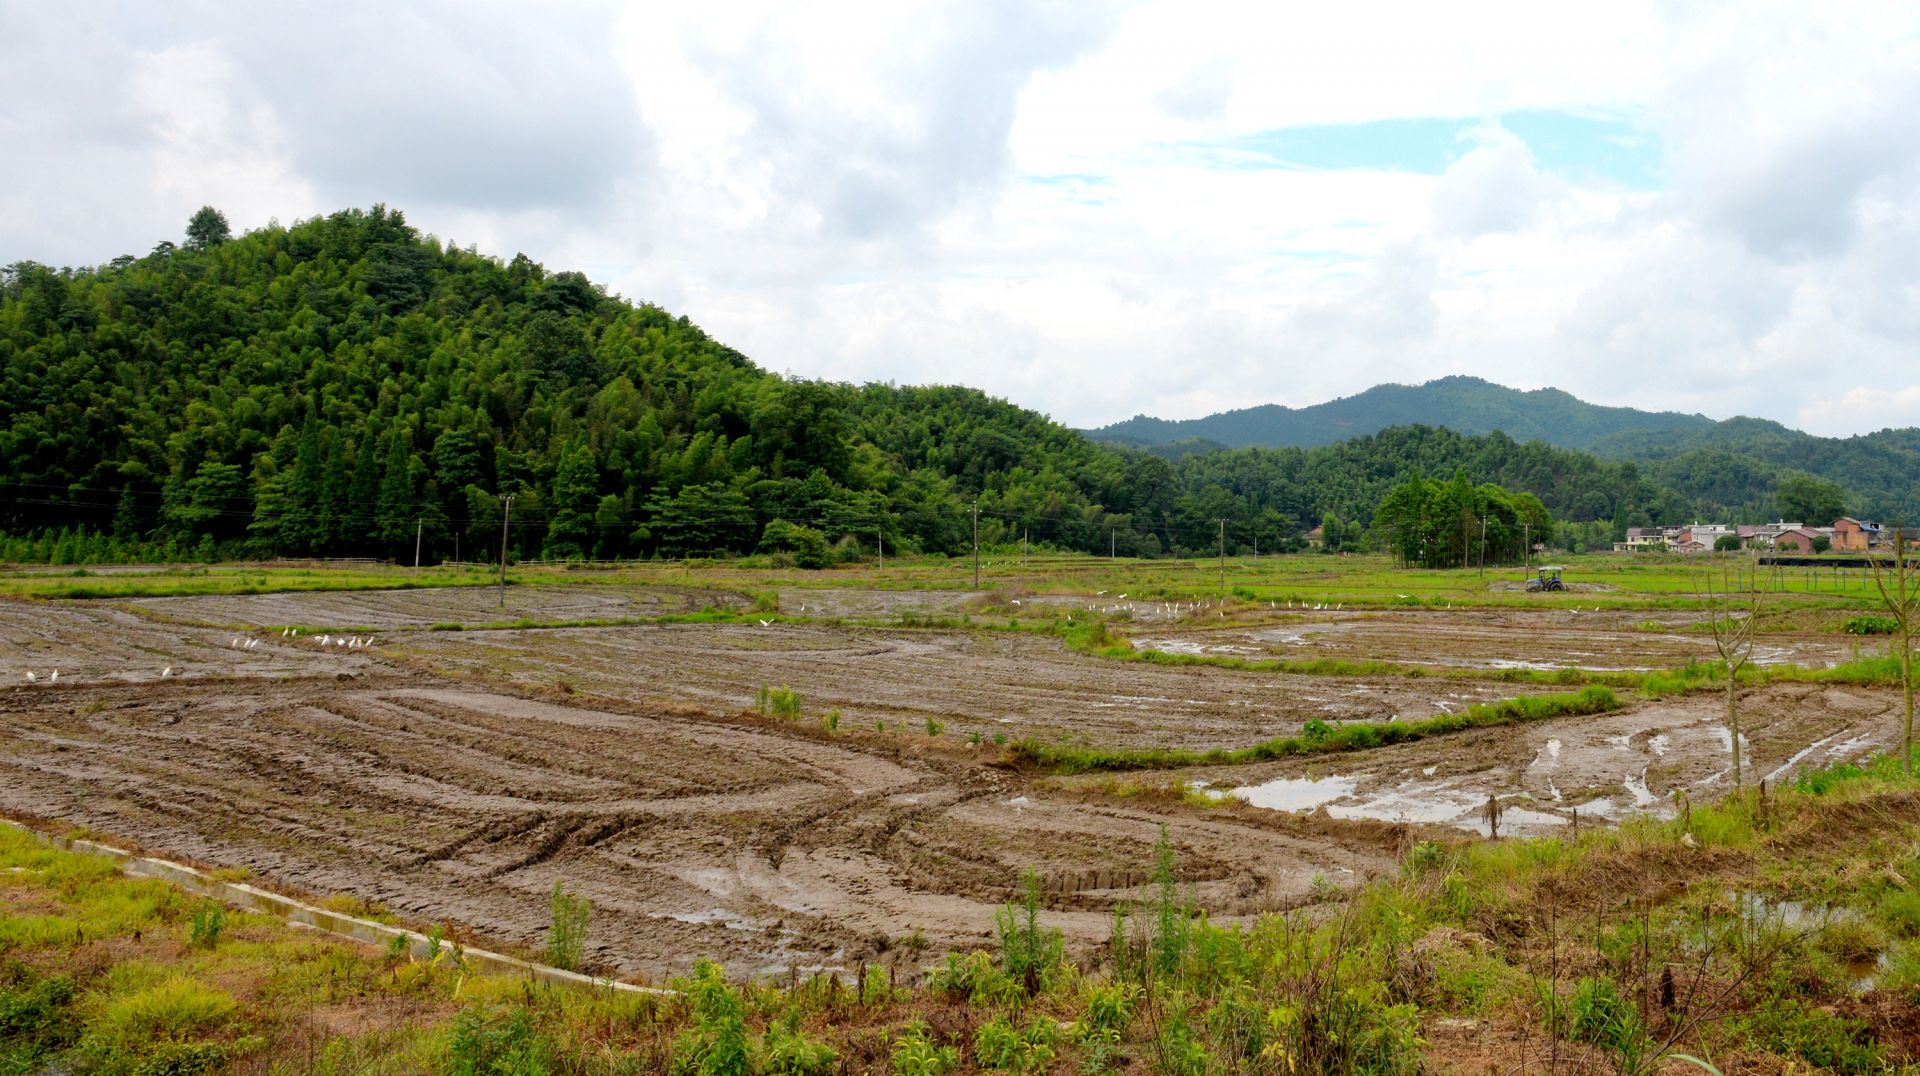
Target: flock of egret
(248,642)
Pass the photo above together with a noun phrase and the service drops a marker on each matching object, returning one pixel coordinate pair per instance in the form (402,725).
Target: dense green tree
(207,228)
(1802,498)
(327,387)
(575,503)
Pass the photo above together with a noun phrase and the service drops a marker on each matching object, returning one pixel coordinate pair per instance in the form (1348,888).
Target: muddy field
(693,838)
(1603,767)
(427,606)
(1488,639)
(457,775)
(970,681)
(86,643)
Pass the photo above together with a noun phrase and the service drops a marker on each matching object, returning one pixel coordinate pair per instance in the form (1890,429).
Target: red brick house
(1798,539)
(1855,536)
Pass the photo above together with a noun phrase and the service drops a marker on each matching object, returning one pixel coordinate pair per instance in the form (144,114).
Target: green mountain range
(349,386)
(1467,404)
(1727,468)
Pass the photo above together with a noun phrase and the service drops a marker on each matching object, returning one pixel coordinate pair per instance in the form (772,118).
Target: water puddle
(1296,793)
(709,917)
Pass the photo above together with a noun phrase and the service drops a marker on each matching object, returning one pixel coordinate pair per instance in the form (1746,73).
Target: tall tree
(207,228)
(575,499)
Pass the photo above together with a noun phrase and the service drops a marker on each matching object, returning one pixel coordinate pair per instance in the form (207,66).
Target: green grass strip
(1319,739)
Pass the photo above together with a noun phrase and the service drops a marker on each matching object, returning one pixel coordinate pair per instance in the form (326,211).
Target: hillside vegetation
(1730,470)
(349,386)
(1467,404)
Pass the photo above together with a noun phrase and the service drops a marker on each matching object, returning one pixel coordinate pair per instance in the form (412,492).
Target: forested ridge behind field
(346,384)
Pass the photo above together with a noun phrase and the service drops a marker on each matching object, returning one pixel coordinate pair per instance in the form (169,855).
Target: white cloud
(1861,409)
(1021,198)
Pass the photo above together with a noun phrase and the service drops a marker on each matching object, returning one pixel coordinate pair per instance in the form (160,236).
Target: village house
(1643,539)
(1796,539)
(1855,536)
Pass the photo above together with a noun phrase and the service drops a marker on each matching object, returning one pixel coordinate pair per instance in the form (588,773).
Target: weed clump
(567,932)
(777,702)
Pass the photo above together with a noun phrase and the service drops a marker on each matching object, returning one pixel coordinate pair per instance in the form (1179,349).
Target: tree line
(348,386)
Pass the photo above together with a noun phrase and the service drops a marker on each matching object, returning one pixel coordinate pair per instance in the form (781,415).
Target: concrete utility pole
(1483,545)
(880,543)
(1526,539)
(1111,546)
(417,524)
(1223,557)
(976,545)
(506,510)
(1024,533)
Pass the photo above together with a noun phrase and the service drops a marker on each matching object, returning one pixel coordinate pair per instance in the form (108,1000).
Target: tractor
(1546,577)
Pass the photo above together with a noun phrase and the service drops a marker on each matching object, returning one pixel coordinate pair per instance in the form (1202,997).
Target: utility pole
(1526,539)
(1223,557)
(1483,545)
(456,547)
(417,524)
(1111,555)
(1024,532)
(506,511)
(880,543)
(976,545)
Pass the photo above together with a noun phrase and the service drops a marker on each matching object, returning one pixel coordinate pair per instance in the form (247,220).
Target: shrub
(176,1010)
(934,727)
(1172,919)
(788,1052)
(1029,953)
(716,1044)
(567,934)
(807,545)
(976,978)
(997,1044)
(777,702)
(1599,1015)
(36,1018)
(915,1054)
(208,921)
(1871,625)
(483,1042)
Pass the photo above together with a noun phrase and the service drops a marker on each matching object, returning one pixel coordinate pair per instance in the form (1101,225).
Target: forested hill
(1742,461)
(1467,404)
(346,384)
(333,386)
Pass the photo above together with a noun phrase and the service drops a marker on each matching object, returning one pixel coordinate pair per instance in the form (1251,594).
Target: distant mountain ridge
(1466,405)
(1735,463)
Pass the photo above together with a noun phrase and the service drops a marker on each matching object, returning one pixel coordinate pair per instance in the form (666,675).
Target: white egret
(166,672)
(55,678)
(31,679)
(766,623)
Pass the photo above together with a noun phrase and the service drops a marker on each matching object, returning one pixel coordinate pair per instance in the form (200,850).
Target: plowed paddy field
(458,775)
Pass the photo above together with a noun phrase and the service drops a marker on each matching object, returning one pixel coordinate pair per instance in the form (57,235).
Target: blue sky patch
(1579,147)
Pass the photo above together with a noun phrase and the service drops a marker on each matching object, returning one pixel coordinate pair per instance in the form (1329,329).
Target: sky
(1092,210)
